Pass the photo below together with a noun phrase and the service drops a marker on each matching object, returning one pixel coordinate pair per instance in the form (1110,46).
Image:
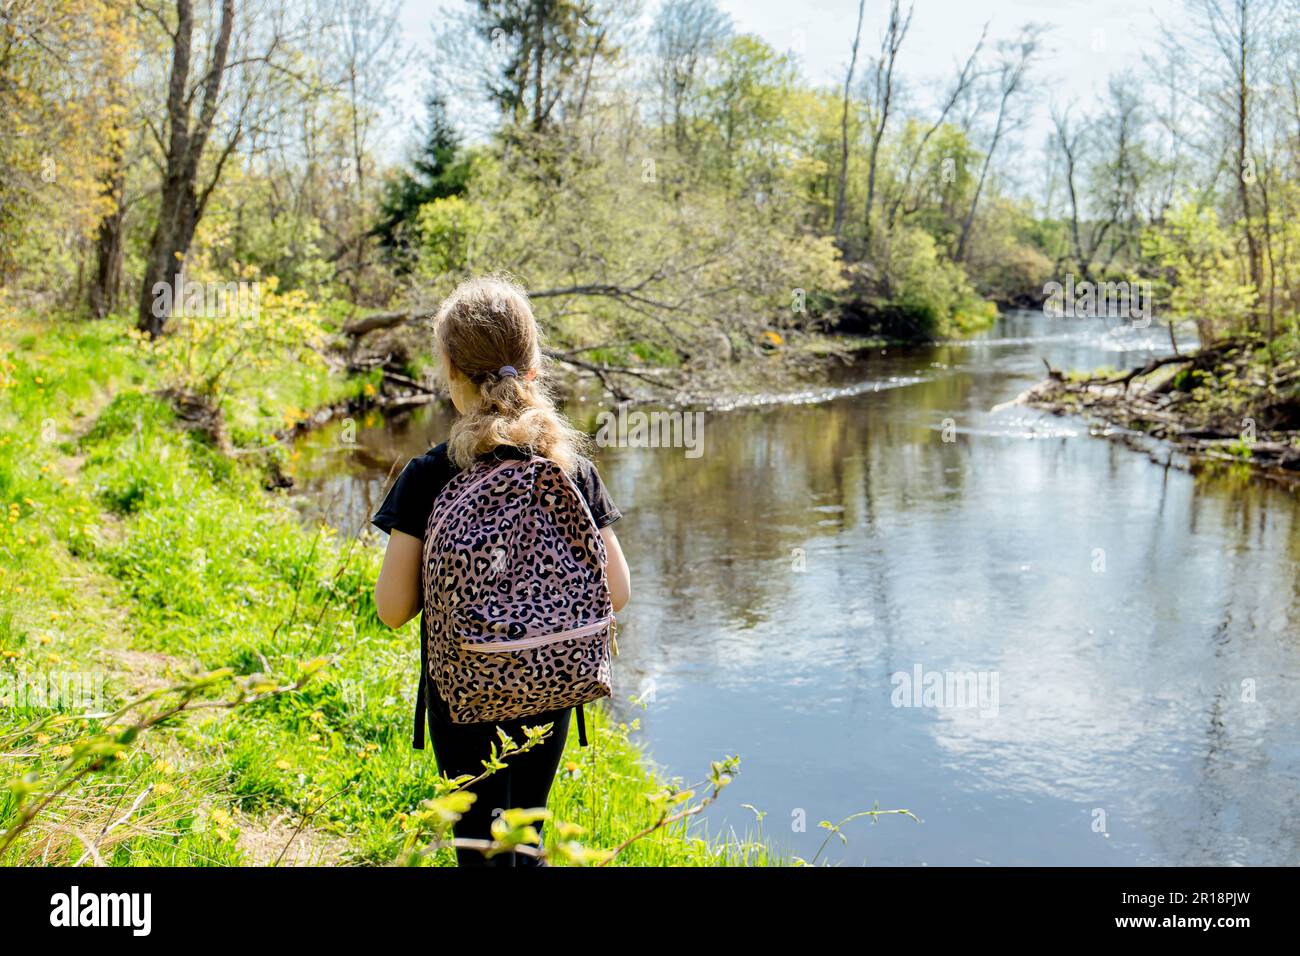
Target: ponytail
(485,329)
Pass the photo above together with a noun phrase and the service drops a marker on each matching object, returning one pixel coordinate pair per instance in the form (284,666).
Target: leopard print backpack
(517,610)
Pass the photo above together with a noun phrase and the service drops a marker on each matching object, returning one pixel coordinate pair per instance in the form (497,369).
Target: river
(1128,628)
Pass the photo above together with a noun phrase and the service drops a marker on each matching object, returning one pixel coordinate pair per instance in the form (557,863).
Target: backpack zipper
(537,640)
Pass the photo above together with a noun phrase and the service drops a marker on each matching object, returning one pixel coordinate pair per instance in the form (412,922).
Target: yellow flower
(62,750)
(42,739)
(284,765)
(317,716)
(163,787)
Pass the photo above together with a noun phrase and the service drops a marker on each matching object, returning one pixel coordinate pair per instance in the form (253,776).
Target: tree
(371,56)
(110,235)
(57,136)
(685,33)
(247,81)
(438,171)
(1233,40)
(882,100)
(844,127)
(182,199)
(1013,66)
(961,86)
(541,47)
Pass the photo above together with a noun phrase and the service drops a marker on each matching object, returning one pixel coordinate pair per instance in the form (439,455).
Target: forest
(669,189)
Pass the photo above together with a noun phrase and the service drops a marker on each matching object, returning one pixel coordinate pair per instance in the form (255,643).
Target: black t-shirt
(409,502)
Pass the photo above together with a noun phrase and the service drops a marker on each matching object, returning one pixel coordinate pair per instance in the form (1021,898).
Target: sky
(1087,41)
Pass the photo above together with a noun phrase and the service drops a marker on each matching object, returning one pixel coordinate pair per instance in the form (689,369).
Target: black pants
(523,785)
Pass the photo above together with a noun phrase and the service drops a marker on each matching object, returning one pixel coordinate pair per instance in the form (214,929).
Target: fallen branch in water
(1220,404)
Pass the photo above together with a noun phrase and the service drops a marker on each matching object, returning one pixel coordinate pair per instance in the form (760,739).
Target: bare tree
(1121,174)
(182,200)
(1013,67)
(844,125)
(238,88)
(371,56)
(685,32)
(1234,33)
(1065,138)
(966,77)
(882,99)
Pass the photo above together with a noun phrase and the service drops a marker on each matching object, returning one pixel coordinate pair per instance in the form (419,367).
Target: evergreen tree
(439,169)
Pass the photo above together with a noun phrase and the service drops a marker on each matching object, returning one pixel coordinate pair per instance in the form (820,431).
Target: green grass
(139,552)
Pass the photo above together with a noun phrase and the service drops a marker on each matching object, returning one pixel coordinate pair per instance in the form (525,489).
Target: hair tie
(507,371)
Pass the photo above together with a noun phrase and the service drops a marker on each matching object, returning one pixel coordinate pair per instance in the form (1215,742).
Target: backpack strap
(582,728)
(421,702)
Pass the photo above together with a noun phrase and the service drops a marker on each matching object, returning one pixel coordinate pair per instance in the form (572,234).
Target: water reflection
(1140,620)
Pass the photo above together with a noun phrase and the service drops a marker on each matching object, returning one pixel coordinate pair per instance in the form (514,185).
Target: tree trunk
(1243,155)
(539,56)
(844,127)
(108,253)
(895,33)
(969,221)
(179,207)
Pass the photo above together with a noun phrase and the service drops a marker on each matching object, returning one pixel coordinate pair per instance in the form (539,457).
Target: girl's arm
(397,592)
(616,573)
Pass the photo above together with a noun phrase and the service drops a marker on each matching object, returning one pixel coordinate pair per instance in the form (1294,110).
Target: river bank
(1228,403)
(140,559)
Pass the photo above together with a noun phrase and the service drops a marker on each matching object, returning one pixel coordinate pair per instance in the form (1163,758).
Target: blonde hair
(485,325)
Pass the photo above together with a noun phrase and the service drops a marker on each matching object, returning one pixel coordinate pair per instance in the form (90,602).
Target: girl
(487,339)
